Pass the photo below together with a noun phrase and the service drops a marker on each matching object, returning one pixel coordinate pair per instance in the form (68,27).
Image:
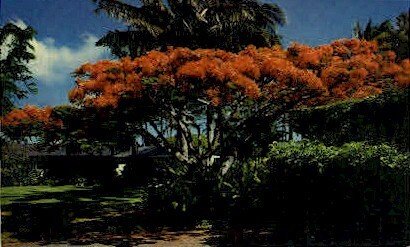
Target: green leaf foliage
(389,35)
(194,24)
(354,154)
(323,191)
(377,119)
(15,77)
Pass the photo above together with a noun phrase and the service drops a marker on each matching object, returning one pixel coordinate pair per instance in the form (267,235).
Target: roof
(63,152)
(145,151)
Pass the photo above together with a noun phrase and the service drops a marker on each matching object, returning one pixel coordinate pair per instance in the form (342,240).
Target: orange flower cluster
(402,75)
(342,69)
(351,68)
(101,83)
(299,75)
(30,116)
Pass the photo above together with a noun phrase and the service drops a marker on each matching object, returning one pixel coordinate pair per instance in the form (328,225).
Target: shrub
(182,191)
(352,191)
(16,167)
(304,189)
(382,118)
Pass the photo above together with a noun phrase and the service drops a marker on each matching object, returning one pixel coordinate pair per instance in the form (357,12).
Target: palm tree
(15,76)
(224,24)
(402,22)
(389,35)
(403,45)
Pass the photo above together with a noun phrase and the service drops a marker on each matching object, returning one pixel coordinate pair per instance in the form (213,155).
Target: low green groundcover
(66,193)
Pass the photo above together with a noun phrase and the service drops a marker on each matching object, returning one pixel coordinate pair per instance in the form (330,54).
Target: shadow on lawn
(85,216)
(77,216)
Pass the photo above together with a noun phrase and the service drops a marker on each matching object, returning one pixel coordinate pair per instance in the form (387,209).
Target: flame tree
(32,124)
(209,108)
(205,105)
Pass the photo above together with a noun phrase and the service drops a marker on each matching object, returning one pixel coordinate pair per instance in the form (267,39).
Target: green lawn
(16,194)
(56,194)
(54,213)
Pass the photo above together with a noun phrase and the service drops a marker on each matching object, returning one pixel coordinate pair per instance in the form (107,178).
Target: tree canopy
(157,24)
(199,104)
(16,52)
(343,69)
(378,119)
(388,34)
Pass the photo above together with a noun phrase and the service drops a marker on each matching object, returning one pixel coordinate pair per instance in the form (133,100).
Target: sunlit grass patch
(83,199)
(131,200)
(82,220)
(20,193)
(58,194)
(44,201)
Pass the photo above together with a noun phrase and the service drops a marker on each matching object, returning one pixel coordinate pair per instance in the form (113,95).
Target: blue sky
(68,29)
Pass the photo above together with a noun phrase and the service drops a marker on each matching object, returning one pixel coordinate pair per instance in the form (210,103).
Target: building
(103,168)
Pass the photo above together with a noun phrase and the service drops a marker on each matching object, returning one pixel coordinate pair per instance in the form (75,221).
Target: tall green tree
(388,34)
(403,23)
(156,24)
(15,76)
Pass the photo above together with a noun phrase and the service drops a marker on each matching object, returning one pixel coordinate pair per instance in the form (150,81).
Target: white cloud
(6,46)
(19,23)
(53,63)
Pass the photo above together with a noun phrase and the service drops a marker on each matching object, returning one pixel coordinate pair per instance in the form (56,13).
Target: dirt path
(194,238)
(170,239)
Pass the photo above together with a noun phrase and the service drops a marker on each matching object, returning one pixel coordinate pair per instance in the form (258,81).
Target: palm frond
(139,17)
(128,43)
(275,13)
(194,23)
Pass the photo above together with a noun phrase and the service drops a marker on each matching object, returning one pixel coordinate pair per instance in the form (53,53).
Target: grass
(82,220)
(131,200)
(45,201)
(66,193)
(16,194)
(53,213)
(83,199)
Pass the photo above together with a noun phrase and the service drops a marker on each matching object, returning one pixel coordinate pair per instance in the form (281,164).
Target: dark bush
(177,190)
(308,190)
(16,167)
(376,119)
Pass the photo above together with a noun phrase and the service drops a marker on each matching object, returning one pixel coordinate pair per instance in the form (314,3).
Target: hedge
(378,119)
(353,191)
